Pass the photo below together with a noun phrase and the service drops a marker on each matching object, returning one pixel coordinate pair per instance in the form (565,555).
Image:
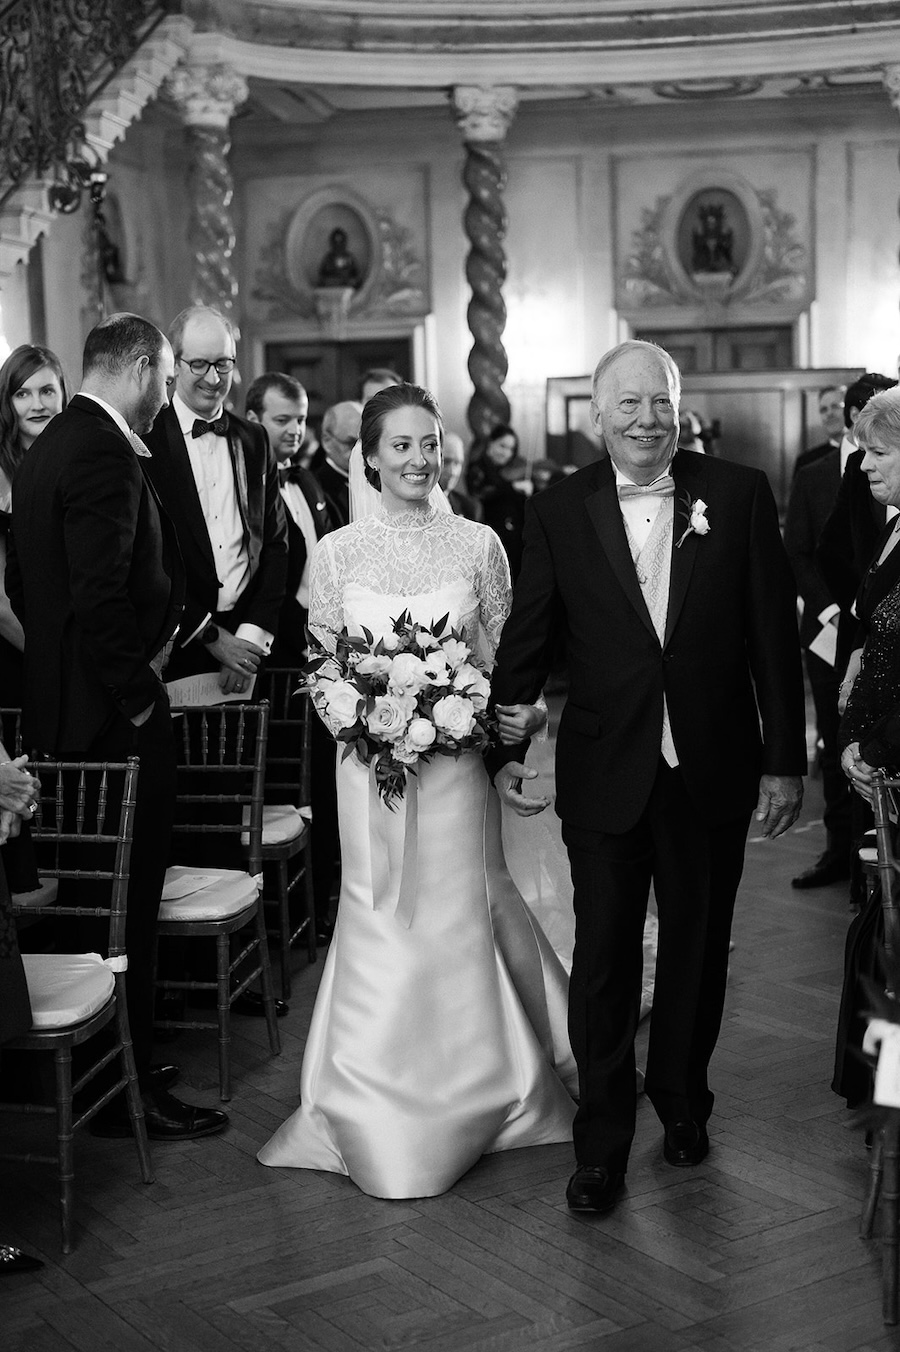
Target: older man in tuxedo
(331,466)
(665,578)
(96,578)
(217,478)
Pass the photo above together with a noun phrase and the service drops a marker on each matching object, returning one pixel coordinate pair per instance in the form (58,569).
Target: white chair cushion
(43,895)
(206,893)
(281,822)
(66,988)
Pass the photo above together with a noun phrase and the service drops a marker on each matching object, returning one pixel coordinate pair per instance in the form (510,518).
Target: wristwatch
(210,634)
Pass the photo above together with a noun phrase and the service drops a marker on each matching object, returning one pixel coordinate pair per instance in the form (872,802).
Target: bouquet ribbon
(394,846)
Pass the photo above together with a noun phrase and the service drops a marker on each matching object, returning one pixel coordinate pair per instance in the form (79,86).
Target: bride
(441,1035)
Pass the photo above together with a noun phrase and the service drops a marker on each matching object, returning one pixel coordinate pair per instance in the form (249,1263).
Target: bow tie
(661,488)
(220,426)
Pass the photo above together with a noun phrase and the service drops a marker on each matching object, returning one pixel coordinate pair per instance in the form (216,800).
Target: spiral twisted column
(484,116)
(891,75)
(207,98)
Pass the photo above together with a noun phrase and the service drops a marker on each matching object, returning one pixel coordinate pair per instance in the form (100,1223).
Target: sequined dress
(442,1036)
(876,691)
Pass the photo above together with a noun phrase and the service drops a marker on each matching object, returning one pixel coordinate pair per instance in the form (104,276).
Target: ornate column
(891,76)
(207,97)
(484,116)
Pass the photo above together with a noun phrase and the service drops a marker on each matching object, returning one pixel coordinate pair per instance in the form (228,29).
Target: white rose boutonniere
(697,521)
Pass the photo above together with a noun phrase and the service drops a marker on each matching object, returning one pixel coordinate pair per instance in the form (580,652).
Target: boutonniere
(697,522)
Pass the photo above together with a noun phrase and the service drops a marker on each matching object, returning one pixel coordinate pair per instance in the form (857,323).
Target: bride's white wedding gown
(439,1030)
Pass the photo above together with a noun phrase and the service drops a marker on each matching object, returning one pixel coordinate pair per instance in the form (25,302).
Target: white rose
(372,665)
(404,752)
(454,715)
(425,640)
(390,641)
(455,652)
(699,523)
(342,701)
(473,683)
(420,734)
(389,717)
(407,674)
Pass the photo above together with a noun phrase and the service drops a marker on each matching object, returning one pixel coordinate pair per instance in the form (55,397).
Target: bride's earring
(373,476)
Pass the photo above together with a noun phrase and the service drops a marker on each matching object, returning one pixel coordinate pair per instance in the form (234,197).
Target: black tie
(220,426)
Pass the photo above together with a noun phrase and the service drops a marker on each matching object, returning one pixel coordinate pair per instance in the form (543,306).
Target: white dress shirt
(639,513)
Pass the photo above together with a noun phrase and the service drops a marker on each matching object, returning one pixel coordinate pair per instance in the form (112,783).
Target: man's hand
(780,798)
(508,783)
(10,825)
(239,661)
(18,789)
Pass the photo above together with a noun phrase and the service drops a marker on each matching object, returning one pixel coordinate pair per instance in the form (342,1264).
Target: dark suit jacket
(336,488)
(265,534)
(812,455)
(291,638)
(813,495)
(94,575)
(847,544)
(730,657)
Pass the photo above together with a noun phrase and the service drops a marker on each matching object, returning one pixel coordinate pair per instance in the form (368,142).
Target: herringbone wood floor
(754,1250)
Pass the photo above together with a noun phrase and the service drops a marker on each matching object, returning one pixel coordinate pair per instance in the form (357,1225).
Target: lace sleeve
(326,604)
(494,591)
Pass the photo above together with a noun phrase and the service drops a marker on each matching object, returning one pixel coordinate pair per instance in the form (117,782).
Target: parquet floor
(755,1250)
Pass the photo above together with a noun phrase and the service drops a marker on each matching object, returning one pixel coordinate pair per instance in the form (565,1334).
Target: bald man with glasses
(218,480)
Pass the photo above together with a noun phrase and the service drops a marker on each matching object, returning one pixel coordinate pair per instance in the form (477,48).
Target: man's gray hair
(879,421)
(609,359)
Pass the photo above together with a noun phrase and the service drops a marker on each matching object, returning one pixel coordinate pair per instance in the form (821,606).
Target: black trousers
(153,816)
(695,871)
(824,681)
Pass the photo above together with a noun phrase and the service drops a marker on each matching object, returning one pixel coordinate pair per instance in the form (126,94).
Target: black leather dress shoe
(593,1187)
(13,1260)
(830,868)
(162,1077)
(251,1002)
(685,1143)
(167,1118)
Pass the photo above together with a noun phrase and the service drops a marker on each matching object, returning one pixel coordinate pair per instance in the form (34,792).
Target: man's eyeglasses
(198,367)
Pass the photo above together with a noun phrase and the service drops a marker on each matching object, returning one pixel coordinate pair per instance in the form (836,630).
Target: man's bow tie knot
(219,427)
(663,487)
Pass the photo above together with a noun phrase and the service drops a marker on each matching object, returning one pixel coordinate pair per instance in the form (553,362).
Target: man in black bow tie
(663,574)
(217,478)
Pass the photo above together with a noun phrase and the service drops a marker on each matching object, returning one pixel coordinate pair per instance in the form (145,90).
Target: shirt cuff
(828,613)
(253,634)
(189,638)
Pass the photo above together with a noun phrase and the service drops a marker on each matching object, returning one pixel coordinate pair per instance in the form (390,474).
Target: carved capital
(892,84)
(484,114)
(206,96)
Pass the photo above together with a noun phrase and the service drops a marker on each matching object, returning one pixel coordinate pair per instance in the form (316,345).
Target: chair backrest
(288,765)
(221,751)
(885,814)
(11,730)
(82,832)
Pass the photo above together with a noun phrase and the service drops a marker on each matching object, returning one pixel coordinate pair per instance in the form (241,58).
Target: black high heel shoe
(13,1260)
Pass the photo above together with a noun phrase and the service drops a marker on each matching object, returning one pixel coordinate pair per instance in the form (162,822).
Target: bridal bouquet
(403,698)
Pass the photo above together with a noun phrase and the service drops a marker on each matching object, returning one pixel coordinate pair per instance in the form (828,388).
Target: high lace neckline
(411,519)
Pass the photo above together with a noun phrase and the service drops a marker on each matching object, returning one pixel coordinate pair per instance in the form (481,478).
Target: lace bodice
(407,556)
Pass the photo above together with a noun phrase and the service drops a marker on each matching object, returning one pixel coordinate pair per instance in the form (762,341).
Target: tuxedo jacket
(336,488)
(729,663)
(260,506)
(95,576)
(291,637)
(812,455)
(813,495)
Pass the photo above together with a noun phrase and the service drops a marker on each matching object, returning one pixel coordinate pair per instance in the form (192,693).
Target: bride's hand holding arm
(519,722)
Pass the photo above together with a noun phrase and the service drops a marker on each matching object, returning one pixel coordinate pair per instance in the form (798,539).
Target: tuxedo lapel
(184,487)
(606,518)
(690,482)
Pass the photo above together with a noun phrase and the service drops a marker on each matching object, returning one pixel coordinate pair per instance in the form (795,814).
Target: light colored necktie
(663,487)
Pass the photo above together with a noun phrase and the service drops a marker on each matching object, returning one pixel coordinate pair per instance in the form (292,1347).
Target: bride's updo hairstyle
(376,410)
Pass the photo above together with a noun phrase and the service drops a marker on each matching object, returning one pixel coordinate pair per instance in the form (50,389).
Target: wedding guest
(498,479)
(664,574)
(451,478)
(340,433)
(831,413)
(870,728)
(375,379)
(32,391)
(96,577)
(217,479)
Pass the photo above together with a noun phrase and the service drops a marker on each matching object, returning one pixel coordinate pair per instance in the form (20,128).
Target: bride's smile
(408,458)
